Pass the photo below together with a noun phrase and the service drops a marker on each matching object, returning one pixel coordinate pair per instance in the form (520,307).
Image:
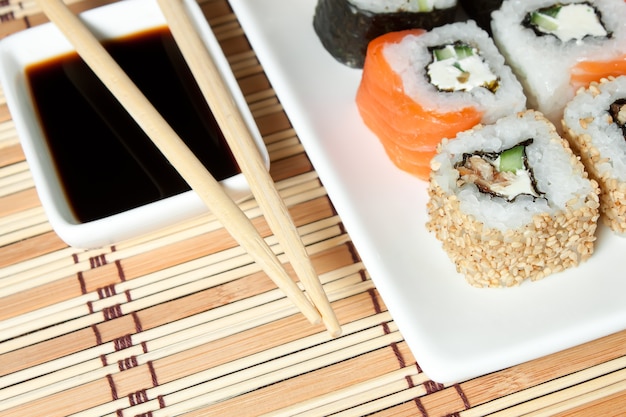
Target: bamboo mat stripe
(180,321)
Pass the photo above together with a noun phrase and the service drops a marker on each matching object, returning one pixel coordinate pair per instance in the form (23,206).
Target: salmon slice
(586,72)
(408,132)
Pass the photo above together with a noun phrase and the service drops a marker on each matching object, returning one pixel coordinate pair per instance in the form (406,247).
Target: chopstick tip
(335,332)
(332,325)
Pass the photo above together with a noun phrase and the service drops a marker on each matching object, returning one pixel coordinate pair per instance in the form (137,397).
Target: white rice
(557,172)
(392,6)
(543,63)
(606,137)
(410,57)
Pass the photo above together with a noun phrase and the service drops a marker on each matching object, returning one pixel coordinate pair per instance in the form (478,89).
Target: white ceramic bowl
(46,41)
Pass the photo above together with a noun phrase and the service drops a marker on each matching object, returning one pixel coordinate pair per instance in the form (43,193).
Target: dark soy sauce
(106,163)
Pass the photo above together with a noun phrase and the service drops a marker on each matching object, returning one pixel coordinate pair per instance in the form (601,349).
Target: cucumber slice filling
(512,159)
(505,174)
(425,5)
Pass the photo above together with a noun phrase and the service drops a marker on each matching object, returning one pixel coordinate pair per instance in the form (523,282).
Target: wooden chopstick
(176,151)
(241,143)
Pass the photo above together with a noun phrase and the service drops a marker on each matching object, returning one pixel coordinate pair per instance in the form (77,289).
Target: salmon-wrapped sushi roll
(510,202)
(420,87)
(595,124)
(556,47)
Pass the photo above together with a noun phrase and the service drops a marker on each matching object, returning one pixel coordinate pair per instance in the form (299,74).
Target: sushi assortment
(515,114)
(510,201)
(419,87)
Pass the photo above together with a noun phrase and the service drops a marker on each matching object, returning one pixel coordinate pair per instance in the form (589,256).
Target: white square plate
(454,330)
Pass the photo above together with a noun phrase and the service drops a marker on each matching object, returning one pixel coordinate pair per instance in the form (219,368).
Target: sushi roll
(480,11)
(511,202)
(557,47)
(420,87)
(345,27)
(595,124)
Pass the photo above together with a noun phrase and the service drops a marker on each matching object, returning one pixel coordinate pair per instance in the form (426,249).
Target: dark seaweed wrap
(345,30)
(480,11)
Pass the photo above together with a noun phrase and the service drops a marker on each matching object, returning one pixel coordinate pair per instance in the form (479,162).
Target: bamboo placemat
(179,322)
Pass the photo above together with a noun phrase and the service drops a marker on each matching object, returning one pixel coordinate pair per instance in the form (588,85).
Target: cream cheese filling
(517,183)
(460,73)
(571,22)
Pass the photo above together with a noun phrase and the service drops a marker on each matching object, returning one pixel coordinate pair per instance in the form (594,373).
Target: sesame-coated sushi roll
(345,27)
(556,47)
(420,87)
(511,201)
(595,124)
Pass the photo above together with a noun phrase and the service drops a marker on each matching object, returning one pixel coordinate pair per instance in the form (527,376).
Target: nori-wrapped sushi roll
(345,27)
(510,202)
(480,11)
